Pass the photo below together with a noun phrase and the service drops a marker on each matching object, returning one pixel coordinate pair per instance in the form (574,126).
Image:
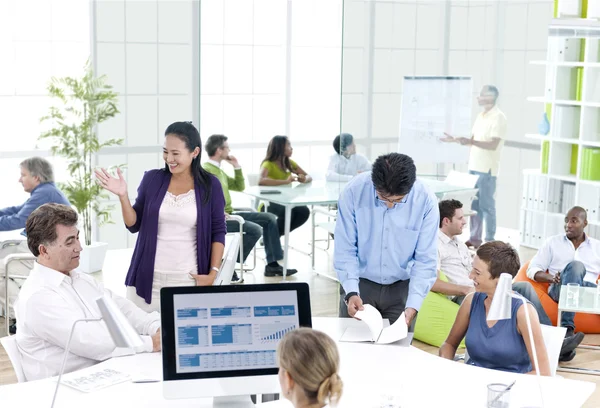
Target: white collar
(50,276)
(214,163)
(445,238)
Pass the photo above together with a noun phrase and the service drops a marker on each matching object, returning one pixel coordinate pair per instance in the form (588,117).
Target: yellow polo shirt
(487,126)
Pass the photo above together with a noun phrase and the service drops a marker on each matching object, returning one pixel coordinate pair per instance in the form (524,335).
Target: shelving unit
(571,100)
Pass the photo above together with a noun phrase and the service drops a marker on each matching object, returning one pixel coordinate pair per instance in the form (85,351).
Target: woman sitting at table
(278,169)
(346,163)
(502,344)
(180,216)
(308,368)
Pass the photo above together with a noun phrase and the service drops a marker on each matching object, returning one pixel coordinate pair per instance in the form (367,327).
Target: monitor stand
(240,401)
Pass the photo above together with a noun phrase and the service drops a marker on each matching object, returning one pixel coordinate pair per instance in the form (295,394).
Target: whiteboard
(432,105)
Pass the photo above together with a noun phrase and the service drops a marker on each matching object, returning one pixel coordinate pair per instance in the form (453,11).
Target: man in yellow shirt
(487,139)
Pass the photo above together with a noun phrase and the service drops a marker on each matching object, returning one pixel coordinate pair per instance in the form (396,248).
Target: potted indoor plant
(80,104)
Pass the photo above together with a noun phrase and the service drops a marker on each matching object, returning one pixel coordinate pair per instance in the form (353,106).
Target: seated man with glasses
(386,240)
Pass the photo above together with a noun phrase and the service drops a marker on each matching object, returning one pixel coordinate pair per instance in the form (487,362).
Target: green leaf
(79,106)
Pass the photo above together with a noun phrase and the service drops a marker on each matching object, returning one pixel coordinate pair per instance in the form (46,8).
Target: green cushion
(435,318)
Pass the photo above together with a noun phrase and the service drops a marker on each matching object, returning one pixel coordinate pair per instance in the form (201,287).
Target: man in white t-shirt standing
(487,139)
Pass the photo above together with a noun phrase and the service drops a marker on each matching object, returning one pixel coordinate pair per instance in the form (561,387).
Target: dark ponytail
(191,137)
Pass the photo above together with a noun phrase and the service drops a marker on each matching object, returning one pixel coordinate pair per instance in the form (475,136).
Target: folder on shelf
(543,191)
(590,164)
(550,202)
(524,188)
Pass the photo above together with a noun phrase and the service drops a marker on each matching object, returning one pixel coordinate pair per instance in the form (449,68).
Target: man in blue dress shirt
(37,178)
(386,240)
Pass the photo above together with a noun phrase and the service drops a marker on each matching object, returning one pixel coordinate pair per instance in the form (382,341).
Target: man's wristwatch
(214,268)
(348,296)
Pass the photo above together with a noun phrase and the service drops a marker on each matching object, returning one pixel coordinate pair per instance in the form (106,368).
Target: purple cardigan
(210,228)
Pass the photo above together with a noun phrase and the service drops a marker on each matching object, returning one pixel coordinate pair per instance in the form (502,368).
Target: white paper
(372,318)
(360,334)
(376,329)
(395,332)
(93,379)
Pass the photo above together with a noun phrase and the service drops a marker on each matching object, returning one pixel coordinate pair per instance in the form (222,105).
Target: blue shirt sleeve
(424,269)
(18,219)
(10,210)
(345,256)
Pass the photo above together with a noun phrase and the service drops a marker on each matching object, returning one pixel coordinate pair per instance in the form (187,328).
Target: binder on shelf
(550,202)
(574,154)
(545,156)
(543,184)
(536,193)
(531,190)
(524,188)
(590,164)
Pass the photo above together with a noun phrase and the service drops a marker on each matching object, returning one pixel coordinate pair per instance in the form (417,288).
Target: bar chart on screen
(272,333)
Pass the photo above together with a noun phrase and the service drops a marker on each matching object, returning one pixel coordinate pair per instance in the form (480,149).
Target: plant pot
(92,257)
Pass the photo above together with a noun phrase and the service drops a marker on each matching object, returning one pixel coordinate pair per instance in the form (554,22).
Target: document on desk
(92,379)
(373,330)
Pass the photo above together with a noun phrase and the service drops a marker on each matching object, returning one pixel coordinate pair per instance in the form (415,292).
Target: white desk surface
(368,371)
(320,192)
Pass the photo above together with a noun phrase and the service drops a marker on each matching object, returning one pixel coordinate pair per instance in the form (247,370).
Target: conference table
(371,373)
(322,193)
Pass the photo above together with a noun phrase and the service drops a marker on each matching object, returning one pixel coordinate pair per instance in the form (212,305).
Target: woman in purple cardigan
(180,216)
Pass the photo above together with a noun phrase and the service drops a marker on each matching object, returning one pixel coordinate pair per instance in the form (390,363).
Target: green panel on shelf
(590,164)
(579,89)
(549,111)
(574,153)
(555,8)
(545,156)
(584,8)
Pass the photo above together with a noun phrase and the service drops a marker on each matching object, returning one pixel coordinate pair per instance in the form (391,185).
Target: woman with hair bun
(308,369)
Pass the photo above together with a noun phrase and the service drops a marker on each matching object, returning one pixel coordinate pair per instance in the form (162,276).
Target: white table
(321,192)
(368,371)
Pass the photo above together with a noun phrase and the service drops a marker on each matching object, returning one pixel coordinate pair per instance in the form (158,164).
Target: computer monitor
(232,252)
(220,341)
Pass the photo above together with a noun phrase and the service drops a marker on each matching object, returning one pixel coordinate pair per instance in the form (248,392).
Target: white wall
(492,41)
(146,48)
(39,39)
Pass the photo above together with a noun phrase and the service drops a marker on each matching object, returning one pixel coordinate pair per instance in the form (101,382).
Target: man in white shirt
(572,257)
(55,295)
(487,140)
(346,163)
(454,260)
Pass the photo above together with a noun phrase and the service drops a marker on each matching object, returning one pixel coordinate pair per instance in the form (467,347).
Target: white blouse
(176,247)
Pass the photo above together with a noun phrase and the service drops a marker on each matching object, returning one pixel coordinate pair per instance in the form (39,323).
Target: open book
(373,330)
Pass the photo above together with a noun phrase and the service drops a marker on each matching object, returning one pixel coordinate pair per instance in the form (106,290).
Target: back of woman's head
(312,360)
(187,133)
(276,150)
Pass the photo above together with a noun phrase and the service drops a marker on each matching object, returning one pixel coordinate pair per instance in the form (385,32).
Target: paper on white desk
(375,331)
(373,319)
(92,379)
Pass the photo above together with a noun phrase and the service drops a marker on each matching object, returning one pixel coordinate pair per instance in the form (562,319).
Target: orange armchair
(584,322)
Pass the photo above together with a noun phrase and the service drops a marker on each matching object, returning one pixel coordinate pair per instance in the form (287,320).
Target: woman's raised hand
(115,185)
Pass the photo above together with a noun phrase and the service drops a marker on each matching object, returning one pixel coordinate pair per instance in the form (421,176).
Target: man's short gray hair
(40,168)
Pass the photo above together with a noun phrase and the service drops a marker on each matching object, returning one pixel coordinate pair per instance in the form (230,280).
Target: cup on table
(572,294)
(498,396)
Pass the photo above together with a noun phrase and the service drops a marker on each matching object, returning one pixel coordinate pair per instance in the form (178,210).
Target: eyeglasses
(386,199)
